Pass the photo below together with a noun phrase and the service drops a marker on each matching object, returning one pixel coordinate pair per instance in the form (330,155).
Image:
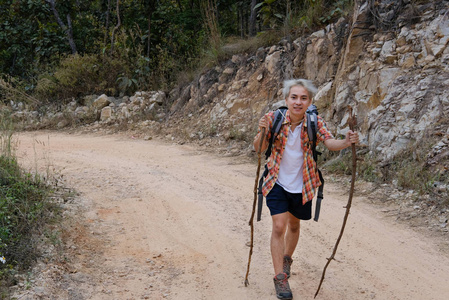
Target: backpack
(312,125)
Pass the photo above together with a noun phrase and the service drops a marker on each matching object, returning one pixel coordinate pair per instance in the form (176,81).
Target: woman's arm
(263,124)
(336,145)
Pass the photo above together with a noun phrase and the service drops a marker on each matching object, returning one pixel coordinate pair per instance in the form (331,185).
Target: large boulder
(101,102)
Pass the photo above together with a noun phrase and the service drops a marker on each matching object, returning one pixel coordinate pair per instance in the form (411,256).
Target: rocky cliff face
(394,74)
(389,62)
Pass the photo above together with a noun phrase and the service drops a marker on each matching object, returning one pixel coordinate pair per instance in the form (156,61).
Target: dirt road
(166,221)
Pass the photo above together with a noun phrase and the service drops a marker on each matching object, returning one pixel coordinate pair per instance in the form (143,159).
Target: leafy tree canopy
(145,42)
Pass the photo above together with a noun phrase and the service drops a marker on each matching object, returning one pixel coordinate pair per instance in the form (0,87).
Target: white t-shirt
(290,169)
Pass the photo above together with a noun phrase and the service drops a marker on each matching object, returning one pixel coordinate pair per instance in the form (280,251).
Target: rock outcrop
(396,80)
(389,62)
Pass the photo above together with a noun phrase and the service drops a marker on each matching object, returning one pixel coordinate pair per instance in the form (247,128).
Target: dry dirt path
(166,221)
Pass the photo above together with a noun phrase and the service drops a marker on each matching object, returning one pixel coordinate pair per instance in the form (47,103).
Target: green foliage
(6,134)
(156,40)
(410,170)
(80,75)
(212,129)
(407,170)
(46,87)
(77,74)
(23,206)
(125,84)
(272,13)
(367,169)
(24,209)
(299,15)
(317,13)
(337,9)
(13,89)
(234,45)
(341,165)
(28,35)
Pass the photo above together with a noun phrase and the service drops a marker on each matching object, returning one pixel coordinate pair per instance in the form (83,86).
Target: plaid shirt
(311,179)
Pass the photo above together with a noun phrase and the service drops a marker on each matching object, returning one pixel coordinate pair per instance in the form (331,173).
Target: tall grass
(14,89)
(25,209)
(6,134)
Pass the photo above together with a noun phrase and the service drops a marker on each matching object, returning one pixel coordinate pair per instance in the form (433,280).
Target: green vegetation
(407,170)
(25,208)
(55,50)
(411,171)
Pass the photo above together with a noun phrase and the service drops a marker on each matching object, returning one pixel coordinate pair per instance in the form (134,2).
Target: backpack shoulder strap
(312,127)
(279,116)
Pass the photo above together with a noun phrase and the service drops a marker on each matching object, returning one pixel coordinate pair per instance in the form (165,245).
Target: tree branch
(67,29)
(352,123)
(251,220)
(116,27)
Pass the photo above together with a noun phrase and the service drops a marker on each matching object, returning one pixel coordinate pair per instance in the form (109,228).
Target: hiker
(292,178)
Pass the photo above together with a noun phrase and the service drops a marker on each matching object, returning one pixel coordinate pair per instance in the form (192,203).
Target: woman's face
(297,102)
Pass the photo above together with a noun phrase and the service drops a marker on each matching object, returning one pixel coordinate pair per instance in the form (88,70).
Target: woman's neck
(296,120)
(294,123)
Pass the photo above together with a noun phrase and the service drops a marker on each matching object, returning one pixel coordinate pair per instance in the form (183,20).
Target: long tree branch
(352,122)
(251,220)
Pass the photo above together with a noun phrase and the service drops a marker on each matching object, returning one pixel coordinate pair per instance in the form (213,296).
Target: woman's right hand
(263,122)
(263,127)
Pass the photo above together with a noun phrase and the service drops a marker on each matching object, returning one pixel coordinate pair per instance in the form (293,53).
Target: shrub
(46,87)
(341,165)
(80,75)
(410,170)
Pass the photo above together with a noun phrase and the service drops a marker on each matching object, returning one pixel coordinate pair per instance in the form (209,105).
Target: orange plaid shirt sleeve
(311,180)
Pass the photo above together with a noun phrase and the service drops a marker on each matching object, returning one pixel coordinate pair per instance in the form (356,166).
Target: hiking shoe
(287,264)
(282,287)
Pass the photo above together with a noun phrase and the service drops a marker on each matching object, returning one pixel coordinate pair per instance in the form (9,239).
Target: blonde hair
(307,84)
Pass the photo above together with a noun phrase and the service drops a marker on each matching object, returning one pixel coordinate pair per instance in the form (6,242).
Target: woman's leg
(280,222)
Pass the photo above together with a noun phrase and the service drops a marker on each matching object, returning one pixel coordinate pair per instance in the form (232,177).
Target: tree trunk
(245,19)
(149,33)
(70,34)
(150,7)
(67,29)
(106,31)
(240,22)
(252,19)
(116,26)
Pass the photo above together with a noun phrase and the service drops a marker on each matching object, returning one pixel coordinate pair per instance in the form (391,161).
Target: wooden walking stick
(251,220)
(352,123)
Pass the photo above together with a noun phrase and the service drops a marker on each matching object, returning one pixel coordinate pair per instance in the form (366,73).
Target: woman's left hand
(352,137)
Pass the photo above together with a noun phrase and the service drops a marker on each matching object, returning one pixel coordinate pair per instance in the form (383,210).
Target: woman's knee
(293,225)
(279,225)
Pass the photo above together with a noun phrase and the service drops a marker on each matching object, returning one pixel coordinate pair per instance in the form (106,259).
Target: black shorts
(280,201)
